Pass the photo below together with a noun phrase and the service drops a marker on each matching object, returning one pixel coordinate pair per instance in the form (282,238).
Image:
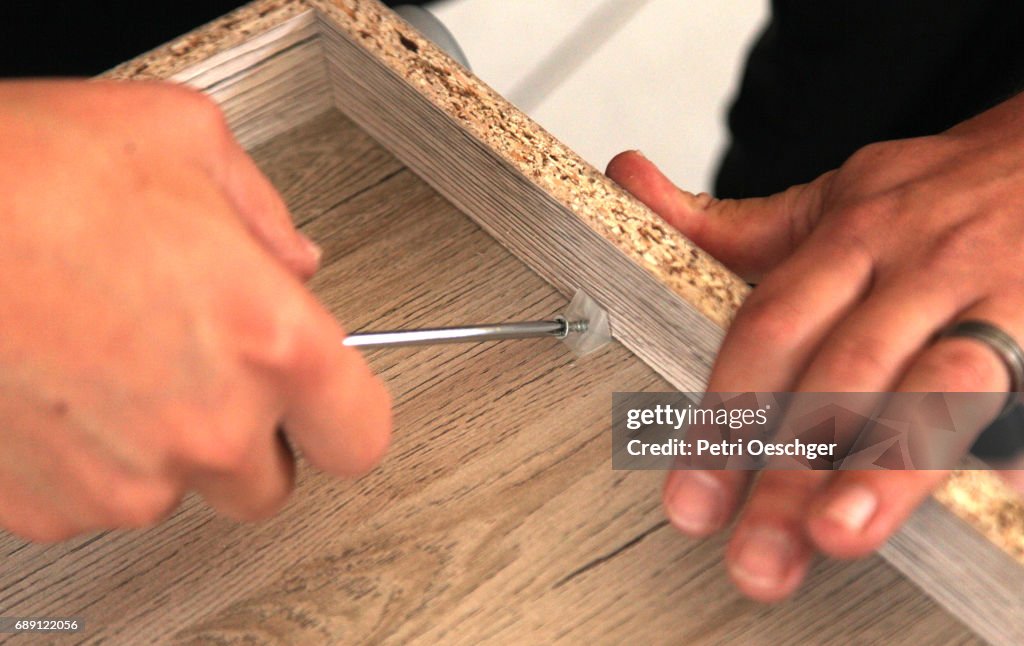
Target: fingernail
(852,508)
(766,557)
(312,249)
(694,502)
(640,152)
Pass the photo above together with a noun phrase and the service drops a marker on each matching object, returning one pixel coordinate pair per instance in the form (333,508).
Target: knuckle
(266,507)
(282,342)
(51,535)
(855,358)
(776,490)
(224,453)
(863,218)
(769,319)
(872,155)
(214,449)
(46,532)
(146,505)
(201,112)
(199,104)
(959,244)
(869,152)
(962,365)
(273,328)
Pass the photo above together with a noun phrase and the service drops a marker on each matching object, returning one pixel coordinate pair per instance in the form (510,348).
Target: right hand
(155,333)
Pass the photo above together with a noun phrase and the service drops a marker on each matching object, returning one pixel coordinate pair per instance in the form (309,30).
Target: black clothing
(827,77)
(76,38)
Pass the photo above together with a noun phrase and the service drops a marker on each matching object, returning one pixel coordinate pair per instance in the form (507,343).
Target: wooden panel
(265,63)
(496,517)
(562,219)
(654,322)
(940,550)
(268,84)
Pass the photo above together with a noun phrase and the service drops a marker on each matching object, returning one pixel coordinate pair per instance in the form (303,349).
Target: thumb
(749,236)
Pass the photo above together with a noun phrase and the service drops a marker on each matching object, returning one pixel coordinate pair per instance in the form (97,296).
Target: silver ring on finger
(1005,347)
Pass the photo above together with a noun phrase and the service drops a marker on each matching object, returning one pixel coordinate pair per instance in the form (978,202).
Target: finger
(871,348)
(265,215)
(36,526)
(773,337)
(1014,478)
(769,553)
(111,497)
(39,520)
(253,486)
(699,503)
(749,236)
(338,412)
(785,319)
(861,509)
(143,504)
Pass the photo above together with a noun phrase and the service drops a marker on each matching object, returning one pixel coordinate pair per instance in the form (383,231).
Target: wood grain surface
(496,517)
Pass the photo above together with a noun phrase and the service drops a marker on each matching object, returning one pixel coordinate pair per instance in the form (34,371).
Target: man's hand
(155,333)
(857,272)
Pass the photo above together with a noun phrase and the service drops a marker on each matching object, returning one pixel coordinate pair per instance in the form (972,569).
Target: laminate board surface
(496,516)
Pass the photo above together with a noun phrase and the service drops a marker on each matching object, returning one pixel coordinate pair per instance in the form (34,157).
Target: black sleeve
(77,38)
(830,76)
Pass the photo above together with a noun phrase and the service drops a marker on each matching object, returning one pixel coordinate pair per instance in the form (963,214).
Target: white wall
(609,75)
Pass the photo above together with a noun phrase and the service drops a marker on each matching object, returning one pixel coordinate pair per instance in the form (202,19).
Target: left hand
(857,270)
